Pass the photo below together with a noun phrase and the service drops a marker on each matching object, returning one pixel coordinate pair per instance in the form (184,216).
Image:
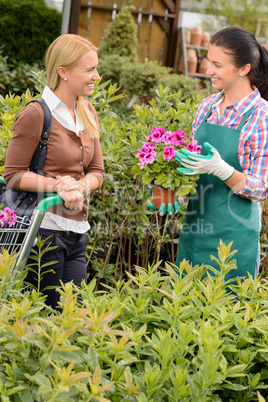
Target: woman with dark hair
(232,128)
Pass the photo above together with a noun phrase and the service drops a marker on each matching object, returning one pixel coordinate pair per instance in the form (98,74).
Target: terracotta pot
(192,60)
(202,69)
(188,36)
(163,195)
(196,36)
(205,39)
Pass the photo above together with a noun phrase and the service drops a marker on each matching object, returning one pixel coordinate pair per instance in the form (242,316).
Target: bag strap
(39,155)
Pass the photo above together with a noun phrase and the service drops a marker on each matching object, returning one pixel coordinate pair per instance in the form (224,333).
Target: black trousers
(70,262)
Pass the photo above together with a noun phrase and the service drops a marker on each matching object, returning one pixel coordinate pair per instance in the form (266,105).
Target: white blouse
(60,112)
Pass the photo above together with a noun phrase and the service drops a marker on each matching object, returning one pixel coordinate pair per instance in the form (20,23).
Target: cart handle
(50,200)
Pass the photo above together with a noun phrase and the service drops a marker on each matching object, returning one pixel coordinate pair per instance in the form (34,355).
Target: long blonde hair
(65,51)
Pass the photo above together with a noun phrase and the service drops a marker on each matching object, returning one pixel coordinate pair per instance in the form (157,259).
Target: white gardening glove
(198,164)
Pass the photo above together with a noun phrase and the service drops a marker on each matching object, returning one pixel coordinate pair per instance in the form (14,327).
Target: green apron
(215,212)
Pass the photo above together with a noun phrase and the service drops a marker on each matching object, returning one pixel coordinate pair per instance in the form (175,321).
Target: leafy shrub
(124,231)
(159,336)
(10,106)
(188,86)
(120,37)
(142,78)
(111,67)
(16,77)
(5,73)
(27,27)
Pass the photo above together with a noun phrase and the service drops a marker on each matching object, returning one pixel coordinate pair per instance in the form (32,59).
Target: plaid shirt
(253,139)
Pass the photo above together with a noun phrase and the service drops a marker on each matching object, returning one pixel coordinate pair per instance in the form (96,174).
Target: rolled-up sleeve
(26,134)
(254,160)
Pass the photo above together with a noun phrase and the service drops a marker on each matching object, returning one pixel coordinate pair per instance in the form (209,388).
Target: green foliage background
(120,37)
(27,27)
(250,14)
(139,331)
(158,336)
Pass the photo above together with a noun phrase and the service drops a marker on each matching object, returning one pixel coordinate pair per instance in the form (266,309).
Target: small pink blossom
(179,138)
(11,216)
(194,147)
(146,155)
(168,138)
(3,218)
(148,145)
(157,133)
(169,153)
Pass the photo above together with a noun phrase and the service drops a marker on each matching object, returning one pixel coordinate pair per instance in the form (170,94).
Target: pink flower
(3,218)
(179,138)
(157,133)
(168,138)
(169,153)
(194,147)
(11,216)
(150,139)
(146,154)
(149,146)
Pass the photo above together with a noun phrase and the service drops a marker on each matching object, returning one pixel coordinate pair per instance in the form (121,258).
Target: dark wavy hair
(244,49)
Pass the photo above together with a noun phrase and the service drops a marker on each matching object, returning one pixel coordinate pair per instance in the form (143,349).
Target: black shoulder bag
(24,202)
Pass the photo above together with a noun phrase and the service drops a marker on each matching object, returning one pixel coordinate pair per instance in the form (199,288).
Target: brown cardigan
(67,153)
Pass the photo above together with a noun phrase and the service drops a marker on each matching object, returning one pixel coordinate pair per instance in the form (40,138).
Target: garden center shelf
(190,59)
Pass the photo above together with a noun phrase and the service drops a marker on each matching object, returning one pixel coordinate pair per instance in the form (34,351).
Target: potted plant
(158,167)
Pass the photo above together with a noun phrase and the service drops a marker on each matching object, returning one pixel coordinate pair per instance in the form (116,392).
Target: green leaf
(41,380)
(235,387)
(25,396)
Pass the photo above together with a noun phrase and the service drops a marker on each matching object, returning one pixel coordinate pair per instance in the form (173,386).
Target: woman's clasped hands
(70,191)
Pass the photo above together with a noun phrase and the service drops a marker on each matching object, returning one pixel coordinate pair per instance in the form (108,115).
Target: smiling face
(224,74)
(82,77)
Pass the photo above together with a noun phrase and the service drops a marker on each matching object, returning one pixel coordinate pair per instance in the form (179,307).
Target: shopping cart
(21,237)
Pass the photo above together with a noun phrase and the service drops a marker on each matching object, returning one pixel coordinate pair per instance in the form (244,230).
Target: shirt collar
(51,99)
(244,104)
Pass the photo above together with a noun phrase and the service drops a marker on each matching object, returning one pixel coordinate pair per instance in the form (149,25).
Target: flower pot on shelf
(196,36)
(188,36)
(205,39)
(163,195)
(191,61)
(202,69)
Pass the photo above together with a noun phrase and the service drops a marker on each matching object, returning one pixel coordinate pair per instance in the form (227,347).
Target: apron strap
(207,115)
(242,122)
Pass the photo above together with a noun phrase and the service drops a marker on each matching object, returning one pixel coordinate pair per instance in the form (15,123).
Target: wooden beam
(170,5)
(75,16)
(164,24)
(173,35)
(142,12)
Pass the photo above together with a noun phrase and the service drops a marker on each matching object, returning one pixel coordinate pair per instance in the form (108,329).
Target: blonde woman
(74,165)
